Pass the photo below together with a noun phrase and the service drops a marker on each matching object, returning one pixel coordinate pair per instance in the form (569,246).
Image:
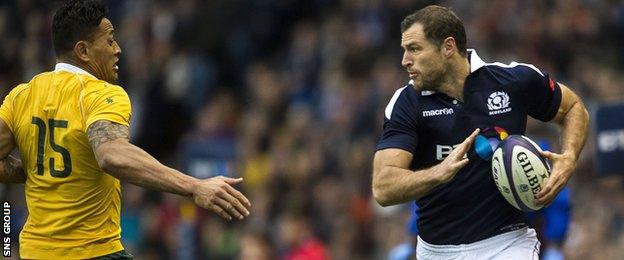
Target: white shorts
(518,244)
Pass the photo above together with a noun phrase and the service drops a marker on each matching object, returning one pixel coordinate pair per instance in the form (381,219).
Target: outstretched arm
(11,170)
(573,118)
(125,161)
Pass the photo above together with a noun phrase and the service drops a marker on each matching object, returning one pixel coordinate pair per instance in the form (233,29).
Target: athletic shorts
(121,255)
(518,244)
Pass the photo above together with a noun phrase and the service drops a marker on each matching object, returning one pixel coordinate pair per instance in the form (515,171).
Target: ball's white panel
(500,177)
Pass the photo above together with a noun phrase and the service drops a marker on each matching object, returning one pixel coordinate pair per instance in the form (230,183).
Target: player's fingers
(459,165)
(470,139)
(238,205)
(550,193)
(550,183)
(545,203)
(549,155)
(466,144)
(229,205)
(549,198)
(546,189)
(232,181)
(240,197)
(220,211)
(559,186)
(542,201)
(473,135)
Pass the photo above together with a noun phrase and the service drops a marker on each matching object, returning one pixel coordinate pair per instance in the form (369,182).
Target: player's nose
(406,61)
(117,49)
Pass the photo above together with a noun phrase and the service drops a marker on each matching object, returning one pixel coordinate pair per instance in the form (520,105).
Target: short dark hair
(438,23)
(74,21)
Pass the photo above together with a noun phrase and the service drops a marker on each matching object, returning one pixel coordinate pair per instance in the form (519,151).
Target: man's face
(103,52)
(422,59)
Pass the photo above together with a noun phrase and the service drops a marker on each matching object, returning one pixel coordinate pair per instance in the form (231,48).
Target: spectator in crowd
(299,240)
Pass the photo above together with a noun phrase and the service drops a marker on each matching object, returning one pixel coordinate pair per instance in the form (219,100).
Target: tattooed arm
(118,157)
(11,170)
(125,161)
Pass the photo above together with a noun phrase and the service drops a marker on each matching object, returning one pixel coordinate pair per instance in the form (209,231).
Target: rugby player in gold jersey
(71,126)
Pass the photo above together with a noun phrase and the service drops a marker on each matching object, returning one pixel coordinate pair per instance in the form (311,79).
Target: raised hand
(447,169)
(218,195)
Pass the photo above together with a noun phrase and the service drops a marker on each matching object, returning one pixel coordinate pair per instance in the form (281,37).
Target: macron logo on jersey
(437,112)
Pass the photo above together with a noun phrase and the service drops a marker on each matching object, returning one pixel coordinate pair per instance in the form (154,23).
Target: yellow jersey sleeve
(108,102)
(7,109)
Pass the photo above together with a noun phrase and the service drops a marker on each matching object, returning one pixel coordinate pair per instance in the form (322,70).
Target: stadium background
(290,95)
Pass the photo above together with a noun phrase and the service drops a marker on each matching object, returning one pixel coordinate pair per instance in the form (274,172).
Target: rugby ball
(519,171)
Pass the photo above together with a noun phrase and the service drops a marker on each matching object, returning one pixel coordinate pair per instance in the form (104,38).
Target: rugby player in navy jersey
(425,155)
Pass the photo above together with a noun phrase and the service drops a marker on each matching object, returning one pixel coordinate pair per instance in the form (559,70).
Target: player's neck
(453,83)
(76,63)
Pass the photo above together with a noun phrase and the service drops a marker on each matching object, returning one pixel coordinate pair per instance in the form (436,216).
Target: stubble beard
(432,81)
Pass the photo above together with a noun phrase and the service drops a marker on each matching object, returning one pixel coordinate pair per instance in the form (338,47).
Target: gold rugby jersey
(73,206)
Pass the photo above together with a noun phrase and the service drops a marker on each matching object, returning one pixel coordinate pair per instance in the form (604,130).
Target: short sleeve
(7,112)
(400,122)
(108,103)
(541,94)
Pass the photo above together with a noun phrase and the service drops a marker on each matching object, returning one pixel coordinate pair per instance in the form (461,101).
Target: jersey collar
(424,92)
(475,61)
(71,68)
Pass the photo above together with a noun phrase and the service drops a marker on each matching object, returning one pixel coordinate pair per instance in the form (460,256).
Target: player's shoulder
(24,87)
(19,89)
(98,92)
(94,86)
(503,72)
(518,69)
(95,83)
(43,77)
(404,97)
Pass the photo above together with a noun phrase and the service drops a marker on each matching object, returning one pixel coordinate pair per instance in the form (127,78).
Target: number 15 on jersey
(42,129)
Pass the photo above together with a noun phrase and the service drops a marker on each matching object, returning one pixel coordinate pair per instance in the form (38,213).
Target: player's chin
(114,78)
(115,73)
(417,84)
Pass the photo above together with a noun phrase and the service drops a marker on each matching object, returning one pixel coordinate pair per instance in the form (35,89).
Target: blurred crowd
(290,95)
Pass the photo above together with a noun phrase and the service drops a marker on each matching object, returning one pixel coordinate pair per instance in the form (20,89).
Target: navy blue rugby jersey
(429,125)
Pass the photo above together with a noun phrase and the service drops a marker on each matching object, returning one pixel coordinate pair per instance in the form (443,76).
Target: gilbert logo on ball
(519,171)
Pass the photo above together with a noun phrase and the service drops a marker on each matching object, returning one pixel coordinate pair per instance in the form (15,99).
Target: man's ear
(449,46)
(81,51)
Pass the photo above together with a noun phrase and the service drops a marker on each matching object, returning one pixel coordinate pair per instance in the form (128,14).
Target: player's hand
(218,195)
(447,169)
(562,167)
